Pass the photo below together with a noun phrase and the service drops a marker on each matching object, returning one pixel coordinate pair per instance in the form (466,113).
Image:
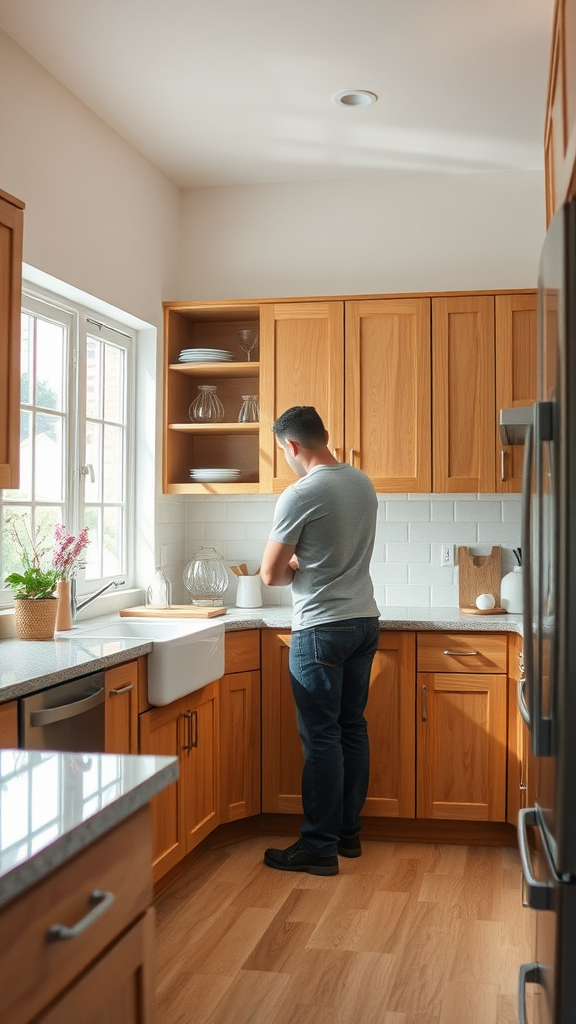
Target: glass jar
(206,577)
(206,407)
(159,593)
(249,412)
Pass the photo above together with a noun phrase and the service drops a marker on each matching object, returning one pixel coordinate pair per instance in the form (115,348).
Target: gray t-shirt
(330,515)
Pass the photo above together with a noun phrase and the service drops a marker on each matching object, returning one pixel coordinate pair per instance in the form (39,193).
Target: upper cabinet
(463,393)
(302,355)
(560,129)
(409,388)
(11,223)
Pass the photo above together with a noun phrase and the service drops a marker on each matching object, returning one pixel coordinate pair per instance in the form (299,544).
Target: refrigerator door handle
(539,895)
(521,702)
(528,972)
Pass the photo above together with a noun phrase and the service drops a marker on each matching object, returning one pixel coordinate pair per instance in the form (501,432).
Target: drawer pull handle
(123,689)
(187,715)
(462,654)
(424,704)
(100,900)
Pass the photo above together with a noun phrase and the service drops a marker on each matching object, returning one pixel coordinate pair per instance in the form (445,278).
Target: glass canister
(206,577)
(249,412)
(159,593)
(206,407)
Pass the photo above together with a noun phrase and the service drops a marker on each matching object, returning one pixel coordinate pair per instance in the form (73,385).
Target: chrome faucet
(76,607)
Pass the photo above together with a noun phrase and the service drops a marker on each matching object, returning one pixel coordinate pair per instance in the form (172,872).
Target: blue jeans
(330,672)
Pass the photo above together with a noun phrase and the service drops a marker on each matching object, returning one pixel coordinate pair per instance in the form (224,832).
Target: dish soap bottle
(159,593)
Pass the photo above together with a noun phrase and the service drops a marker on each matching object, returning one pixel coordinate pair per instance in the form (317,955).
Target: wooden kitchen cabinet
(388,392)
(302,363)
(240,745)
(35,972)
(461,727)
(391,729)
(188,810)
(560,125)
(463,394)
(227,444)
(11,227)
(121,709)
(516,376)
(9,724)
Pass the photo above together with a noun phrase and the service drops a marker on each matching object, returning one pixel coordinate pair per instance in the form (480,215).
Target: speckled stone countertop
(30,665)
(53,805)
(27,666)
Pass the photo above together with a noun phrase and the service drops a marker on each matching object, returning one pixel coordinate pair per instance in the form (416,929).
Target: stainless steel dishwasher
(69,716)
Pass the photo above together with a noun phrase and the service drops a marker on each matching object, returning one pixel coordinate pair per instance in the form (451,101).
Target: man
(321,542)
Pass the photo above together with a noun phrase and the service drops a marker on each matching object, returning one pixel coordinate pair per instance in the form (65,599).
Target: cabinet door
(11,220)
(119,988)
(282,759)
(388,388)
(162,732)
(461,742)
(390,714)
(301,363)
(516,377)
(200,766)
(240,745)
(121,709)
(463,396)
(9,724)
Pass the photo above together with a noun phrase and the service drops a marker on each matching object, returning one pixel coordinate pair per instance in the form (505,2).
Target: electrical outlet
(447,554)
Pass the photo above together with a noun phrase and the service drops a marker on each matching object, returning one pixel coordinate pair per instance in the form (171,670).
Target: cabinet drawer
(119,863)
(462,652)
(242,651)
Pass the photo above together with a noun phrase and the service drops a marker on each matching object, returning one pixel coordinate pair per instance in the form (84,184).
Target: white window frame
(80,322)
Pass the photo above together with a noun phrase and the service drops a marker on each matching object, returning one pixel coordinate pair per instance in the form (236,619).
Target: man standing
(321,542)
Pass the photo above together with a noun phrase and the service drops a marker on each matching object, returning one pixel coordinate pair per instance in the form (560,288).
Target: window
(75,443)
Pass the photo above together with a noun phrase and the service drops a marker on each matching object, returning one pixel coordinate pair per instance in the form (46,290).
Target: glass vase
(159,593)
(206,407)
(206,578)
(249,412)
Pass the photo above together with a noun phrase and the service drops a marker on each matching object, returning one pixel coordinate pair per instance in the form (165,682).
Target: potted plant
(68,561)
(35,603)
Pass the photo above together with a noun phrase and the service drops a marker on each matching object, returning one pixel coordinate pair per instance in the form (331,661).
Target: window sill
(105,605)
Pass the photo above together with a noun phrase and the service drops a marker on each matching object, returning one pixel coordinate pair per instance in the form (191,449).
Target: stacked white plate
(215,476)
(205,355)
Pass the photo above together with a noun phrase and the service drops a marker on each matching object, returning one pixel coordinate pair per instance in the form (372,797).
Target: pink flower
(67,551)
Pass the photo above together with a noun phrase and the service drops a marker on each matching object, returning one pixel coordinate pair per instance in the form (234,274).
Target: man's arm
(276,570)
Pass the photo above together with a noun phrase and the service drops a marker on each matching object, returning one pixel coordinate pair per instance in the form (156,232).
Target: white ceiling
(239,91)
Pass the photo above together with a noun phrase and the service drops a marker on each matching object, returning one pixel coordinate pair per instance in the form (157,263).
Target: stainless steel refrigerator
(547,831)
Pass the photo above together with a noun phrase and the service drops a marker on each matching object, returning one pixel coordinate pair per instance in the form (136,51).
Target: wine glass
(247,340)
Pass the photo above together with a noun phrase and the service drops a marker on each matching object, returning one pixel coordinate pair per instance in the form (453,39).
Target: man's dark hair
(301,423)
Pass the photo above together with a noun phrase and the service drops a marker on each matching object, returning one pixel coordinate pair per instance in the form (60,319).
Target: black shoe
(296,858)
(350,847)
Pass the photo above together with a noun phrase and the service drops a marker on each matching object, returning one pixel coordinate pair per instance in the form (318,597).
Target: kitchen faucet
(75,607)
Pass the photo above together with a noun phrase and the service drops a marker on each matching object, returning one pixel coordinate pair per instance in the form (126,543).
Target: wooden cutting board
(175,611)
(479,574)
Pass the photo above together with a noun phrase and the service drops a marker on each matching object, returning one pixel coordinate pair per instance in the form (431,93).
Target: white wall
(98,215)
(401,233)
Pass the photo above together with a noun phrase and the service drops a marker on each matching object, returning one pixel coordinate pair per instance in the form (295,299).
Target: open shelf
(217,369)
(216,428)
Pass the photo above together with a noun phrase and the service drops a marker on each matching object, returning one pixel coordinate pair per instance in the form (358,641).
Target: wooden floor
(405,934)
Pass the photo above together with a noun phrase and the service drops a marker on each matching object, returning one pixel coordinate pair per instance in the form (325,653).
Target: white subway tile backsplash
(442,511)
(407,553)
(445,533)
(405,566)
(478,511)
(408,511)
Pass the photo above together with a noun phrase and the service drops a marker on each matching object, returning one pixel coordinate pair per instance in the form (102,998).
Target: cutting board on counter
(479,574)
(175,611)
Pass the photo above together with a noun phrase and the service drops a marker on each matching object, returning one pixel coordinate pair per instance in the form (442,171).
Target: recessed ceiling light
(354,98)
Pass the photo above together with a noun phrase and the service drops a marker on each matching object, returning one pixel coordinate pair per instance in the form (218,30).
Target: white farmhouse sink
(186,654)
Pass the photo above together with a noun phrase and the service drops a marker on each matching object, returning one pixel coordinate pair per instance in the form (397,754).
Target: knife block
(479,574)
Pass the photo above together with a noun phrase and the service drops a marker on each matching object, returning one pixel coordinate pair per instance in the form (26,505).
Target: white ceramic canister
(511,590)
(249,593)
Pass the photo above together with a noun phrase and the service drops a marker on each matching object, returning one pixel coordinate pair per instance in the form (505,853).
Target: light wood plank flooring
(405,934)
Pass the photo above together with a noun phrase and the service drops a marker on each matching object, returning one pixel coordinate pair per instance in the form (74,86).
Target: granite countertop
(27,666)
(53,805)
